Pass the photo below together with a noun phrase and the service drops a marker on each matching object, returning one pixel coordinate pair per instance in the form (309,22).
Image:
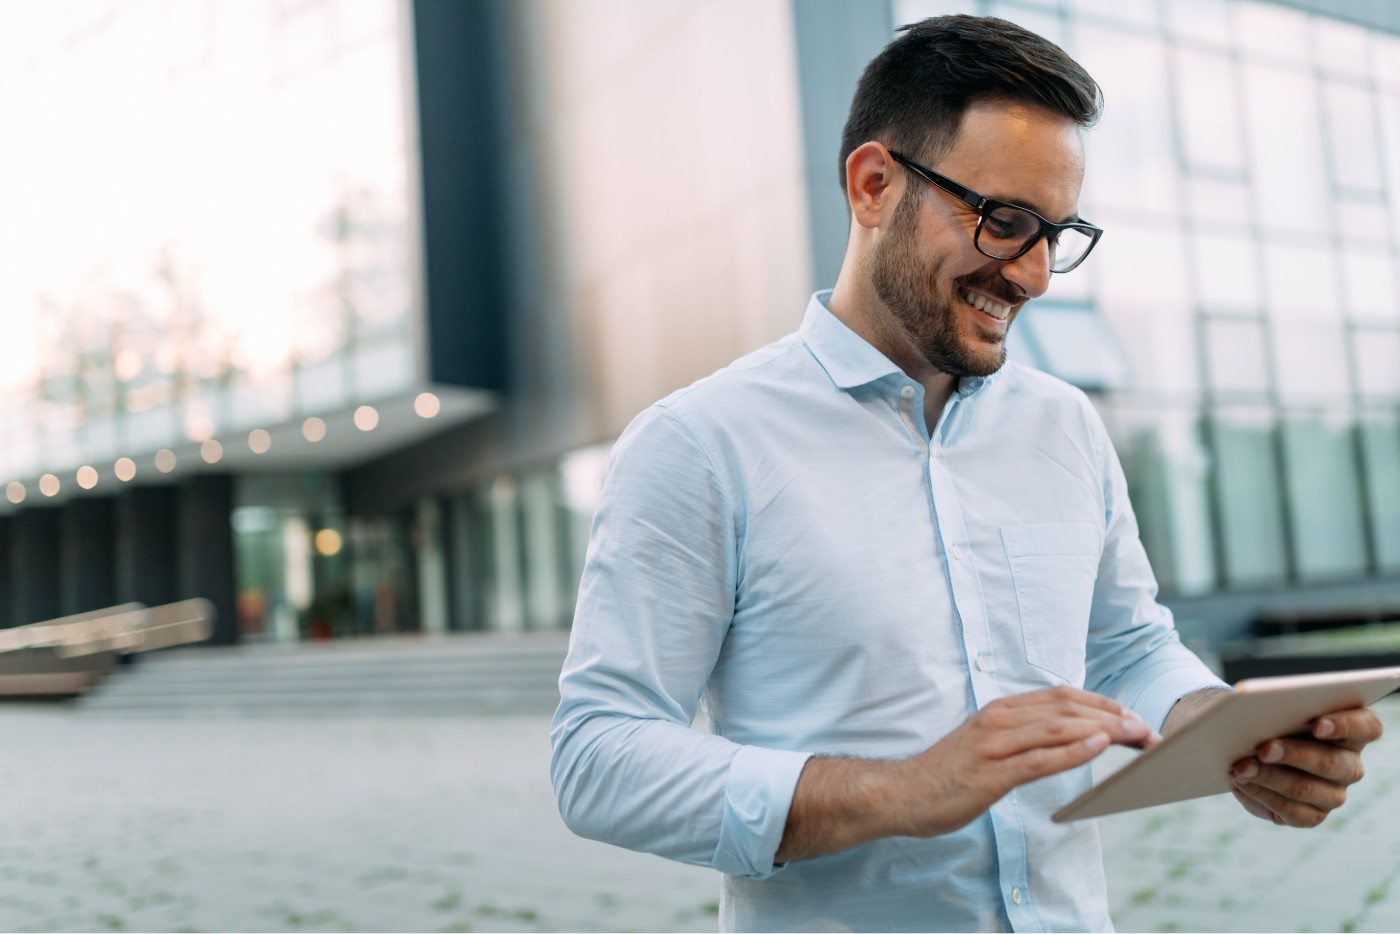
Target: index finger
(1063,693)
(1352,728)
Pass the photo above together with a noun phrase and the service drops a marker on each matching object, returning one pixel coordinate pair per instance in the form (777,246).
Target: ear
(873,187)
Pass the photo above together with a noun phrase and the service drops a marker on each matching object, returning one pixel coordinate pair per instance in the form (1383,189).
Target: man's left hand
(1297,780)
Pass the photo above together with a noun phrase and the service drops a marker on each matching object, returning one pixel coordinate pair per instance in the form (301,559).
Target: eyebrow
(1072,219)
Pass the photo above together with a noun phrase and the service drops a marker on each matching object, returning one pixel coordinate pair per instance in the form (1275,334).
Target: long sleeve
(654,605)
(1134,653)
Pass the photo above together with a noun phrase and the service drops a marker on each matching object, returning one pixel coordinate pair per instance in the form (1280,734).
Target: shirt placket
(1008,828)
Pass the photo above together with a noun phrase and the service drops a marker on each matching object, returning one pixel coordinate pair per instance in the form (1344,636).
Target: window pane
(1219,205)
(1131,150)
(1205,21)
(1390,140)
(1140,267)
(1302,282)
(1351,136)
(1341,48)
(1076,345)
(1385,50)
(1044,22)
(1227,273)
(1236,361)
(1269,31)
(911,11)
(1210,114)
(1249,498)
(1141,284)
(1324,497)
(1380,452)
(1161,350)
(1138,14)
(1377,361)
(1285,142)
(1362,220)
(1310,362)
(1166,465)
(1369,284)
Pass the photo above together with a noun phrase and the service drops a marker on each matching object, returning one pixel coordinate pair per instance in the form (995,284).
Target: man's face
(925,268)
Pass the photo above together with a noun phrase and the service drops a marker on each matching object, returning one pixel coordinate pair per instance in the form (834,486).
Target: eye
(998,224)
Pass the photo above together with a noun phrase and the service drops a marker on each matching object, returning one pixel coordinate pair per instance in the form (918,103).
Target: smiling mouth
(998,313)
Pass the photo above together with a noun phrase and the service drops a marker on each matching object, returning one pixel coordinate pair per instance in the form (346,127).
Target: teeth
(985,304)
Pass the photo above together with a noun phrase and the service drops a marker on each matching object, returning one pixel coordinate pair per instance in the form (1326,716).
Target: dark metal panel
(88,569)
(457,47)
(35,555)
(836,39)
(145,544)
(204,547)
(5,582)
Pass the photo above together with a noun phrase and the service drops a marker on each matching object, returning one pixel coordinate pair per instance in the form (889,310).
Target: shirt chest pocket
(1053,569)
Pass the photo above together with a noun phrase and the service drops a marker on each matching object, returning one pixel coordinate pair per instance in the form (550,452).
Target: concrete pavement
(449,824)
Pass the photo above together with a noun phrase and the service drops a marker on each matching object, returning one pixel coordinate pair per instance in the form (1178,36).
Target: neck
(855,304)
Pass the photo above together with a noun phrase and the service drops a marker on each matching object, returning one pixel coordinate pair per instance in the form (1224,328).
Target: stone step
(501,670)
(448,675)
(331,704)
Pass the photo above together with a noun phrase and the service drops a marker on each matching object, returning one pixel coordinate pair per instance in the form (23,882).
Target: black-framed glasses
(1006,231)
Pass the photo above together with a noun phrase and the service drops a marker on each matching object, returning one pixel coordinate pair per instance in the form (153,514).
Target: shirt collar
(849,359)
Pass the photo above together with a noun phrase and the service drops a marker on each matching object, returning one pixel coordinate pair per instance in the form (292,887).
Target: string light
(212,451)
(165,460)
(124,468)
(366,418)
(259,441)
(427,405)
(15,492)
(48,485)
(328,542)
(87,477)
(313,429)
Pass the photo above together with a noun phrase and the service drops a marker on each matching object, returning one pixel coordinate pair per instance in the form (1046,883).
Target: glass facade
(244,254)
(215,235)
(1247,172)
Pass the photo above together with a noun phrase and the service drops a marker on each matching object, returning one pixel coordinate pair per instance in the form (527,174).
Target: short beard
(910,292)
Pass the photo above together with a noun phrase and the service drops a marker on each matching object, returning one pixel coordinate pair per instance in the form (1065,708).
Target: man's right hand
(841,803)
(1011,741)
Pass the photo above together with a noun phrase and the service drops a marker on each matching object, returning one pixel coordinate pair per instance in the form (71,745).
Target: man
(893,563)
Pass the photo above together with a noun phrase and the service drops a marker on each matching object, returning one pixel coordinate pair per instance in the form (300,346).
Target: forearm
(1190,706)
(839,804)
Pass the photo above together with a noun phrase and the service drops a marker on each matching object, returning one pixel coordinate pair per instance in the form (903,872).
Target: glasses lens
(1005,230)
(1069,248)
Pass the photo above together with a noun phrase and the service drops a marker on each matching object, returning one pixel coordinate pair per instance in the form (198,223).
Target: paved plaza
(449,824)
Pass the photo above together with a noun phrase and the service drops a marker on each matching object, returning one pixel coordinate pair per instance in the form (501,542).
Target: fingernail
(1272,752)
(1097,741)
(1278,820)
(1325,728)
(1246,770)
(1131,715)
(1131,724)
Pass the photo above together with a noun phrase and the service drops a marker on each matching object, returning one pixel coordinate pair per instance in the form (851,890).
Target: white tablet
(1195,761)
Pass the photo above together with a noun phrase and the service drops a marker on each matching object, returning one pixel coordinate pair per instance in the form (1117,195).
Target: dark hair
(912,95)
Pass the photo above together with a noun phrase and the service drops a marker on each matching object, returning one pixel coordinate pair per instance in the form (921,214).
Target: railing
(69,655)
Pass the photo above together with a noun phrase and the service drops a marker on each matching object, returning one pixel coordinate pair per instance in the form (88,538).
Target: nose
(1031,270)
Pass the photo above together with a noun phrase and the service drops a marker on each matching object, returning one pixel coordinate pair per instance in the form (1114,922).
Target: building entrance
(305,571)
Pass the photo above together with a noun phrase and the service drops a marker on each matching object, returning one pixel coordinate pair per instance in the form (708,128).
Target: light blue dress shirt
(789,539)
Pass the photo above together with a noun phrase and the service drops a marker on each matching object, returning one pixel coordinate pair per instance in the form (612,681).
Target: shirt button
(1016,896)
(957,552)
(982,664)
(907,392)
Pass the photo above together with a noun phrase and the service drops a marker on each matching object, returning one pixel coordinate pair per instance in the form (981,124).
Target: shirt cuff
(1160,695)
(757,796)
